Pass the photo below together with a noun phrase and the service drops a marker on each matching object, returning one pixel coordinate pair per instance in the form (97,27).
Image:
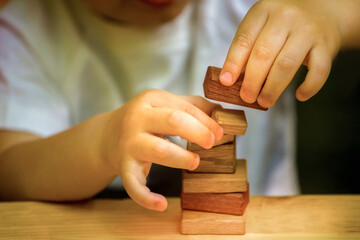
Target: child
(76,109)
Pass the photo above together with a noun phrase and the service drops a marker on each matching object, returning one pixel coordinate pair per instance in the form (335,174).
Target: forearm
(66,166)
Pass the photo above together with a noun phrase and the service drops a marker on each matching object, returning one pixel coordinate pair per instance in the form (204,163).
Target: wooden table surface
(295,217)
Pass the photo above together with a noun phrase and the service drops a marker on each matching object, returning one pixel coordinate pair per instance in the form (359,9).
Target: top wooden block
(232,121)
(214,90)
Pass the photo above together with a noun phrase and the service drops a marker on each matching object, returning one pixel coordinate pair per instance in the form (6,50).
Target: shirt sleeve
(29,99)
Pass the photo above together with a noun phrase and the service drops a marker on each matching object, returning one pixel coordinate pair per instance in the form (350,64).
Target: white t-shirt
(60,64)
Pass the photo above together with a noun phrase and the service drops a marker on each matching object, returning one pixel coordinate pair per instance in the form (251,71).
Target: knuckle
(266,4)
(285,63)
(261,3)
(263,51)
(309,29)
(289,12)
(150,93)
(189,109)
(174,120)
(129,115)
(134,114)
(243,40)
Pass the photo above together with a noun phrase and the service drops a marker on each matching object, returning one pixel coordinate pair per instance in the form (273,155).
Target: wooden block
(232,121)
(214,90)
(195,222)
(216,182)
(218,159)
(227,203)
(225,139)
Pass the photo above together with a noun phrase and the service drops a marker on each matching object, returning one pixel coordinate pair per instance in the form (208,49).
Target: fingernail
(220,133)
(226,78)
(212,140)
(158,205)
(196,162)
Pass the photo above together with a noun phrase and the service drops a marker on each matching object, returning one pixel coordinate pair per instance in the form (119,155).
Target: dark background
(328,153)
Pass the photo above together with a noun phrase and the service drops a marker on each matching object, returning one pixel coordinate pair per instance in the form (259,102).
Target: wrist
(108,141)
(98,138)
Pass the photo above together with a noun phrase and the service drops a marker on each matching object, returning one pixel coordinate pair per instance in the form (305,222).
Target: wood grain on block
(216,182)
(227,203)
(203,223)
(225,139)
(218,159)
(232,121)
(214,90)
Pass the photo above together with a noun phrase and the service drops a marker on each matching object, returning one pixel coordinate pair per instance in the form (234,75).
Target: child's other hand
(272,42)
(135,138)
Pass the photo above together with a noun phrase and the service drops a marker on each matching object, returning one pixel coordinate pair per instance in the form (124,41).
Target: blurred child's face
(139,12)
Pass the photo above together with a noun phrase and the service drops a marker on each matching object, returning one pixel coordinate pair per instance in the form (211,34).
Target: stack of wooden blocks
(214,196)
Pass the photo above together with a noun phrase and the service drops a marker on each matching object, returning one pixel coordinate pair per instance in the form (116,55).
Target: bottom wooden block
(204,223)
(228,203)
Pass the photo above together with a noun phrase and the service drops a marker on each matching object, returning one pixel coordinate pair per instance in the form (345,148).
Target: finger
(201,103)
(205,107)
(284,68)
(135,187)
(172,122)
(169,100)
(319,67)
(266,49)
(242,44)
(166,153)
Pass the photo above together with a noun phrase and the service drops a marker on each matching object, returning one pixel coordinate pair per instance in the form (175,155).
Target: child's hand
(136,133)
(272,42)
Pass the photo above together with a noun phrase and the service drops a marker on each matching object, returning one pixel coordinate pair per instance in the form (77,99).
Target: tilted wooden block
(227,203)
(232,121)
(214,90)
(216,182)
(196,222)
(218,159)
(225,139)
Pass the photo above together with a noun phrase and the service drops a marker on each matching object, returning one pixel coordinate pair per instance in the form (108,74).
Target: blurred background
(328,152)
